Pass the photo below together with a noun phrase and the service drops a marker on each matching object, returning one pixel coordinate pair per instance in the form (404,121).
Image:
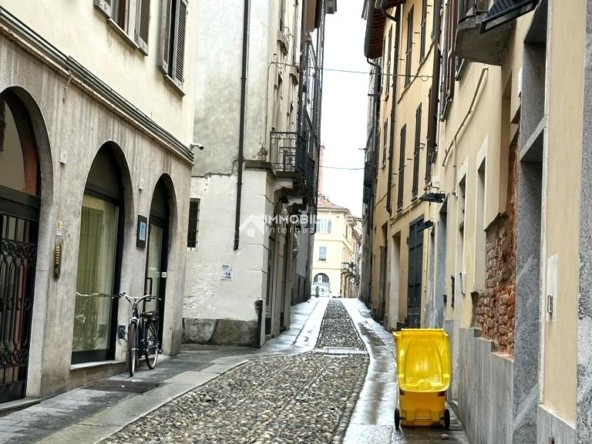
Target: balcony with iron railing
(290,160)
(475,41)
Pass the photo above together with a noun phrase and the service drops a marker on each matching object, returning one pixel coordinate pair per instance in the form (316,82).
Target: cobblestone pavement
(305,398)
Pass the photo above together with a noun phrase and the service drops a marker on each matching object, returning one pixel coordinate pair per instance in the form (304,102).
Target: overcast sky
(345,103)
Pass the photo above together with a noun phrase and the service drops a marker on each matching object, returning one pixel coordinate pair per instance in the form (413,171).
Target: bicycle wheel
(132,346)
(151,343)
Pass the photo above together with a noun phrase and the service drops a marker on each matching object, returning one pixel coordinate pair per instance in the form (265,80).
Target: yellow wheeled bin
(423,372)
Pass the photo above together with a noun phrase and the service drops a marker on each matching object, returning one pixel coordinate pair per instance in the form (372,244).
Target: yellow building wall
(565,56)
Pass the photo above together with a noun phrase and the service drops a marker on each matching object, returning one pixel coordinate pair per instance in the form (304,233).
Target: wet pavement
(96,412)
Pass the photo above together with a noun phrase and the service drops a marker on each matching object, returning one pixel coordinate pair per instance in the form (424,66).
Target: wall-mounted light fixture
(433,197)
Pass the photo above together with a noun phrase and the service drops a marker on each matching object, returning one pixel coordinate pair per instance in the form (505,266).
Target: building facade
(512,277)
(401,38)
(94,183)
(253,189)
(336,251)
(508,183)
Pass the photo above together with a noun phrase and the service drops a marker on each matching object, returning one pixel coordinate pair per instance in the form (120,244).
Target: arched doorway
(19,220)
(158,247)
(321,280)
(99,261)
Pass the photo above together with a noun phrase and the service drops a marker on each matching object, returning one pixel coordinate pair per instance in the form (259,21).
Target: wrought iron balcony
(471,43)
(290,159)
(349,269)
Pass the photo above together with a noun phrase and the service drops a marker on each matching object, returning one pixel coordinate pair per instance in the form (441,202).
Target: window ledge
(174,84)
(126,38)
(94,364)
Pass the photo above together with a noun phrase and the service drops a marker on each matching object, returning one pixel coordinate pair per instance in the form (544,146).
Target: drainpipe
(375,118)
(393,106)
(241,131)
(433,106)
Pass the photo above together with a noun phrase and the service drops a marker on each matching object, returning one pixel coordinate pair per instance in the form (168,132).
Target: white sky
(345,104)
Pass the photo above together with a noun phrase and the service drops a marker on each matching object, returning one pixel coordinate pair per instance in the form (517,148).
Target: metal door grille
(17,266)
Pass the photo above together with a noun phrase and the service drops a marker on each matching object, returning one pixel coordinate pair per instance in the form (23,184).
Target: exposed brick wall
(495,310)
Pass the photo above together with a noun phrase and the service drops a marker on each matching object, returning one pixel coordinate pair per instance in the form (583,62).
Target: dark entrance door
(157,257)
(18,251)
(415,272)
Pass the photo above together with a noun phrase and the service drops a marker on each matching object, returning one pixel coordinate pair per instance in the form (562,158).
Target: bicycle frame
(140,325)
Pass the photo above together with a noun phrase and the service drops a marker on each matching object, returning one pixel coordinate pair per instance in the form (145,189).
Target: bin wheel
(397,418)
(446,419)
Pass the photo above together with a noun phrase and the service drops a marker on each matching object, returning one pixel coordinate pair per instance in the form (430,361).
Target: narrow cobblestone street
(289,399)
(304,398)
(329,379)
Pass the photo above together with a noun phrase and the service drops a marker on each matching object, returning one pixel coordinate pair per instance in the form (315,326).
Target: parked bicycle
(142,333)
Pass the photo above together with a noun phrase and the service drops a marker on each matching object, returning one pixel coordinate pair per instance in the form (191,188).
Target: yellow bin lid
(423,359)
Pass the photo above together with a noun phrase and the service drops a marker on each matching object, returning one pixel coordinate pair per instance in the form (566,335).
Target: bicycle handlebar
(135,299)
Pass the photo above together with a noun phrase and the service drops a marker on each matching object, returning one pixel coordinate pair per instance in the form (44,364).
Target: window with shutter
(165,35)
(129,18)
(143,24)
(401,167)
(450,59)
(409,49)
(173,39)
(424,17)
(416,152)
(388,63)
(180,40)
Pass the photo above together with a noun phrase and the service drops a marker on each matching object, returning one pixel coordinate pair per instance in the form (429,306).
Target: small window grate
(193,226)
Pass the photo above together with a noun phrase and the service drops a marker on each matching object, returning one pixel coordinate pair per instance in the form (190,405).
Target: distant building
(337,251)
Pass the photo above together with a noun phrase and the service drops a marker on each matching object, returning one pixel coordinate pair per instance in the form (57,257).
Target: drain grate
(111,385)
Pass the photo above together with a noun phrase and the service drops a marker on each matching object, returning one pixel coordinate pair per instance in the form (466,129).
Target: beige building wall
(566,43)
(114,55)
(407,95)
(478,135)
(86,85)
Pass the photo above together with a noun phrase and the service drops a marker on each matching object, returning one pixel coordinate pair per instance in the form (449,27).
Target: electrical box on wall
(463,282)
(551,294)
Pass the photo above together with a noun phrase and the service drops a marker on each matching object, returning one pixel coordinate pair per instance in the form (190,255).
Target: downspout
(375,119)
(433,106)
(241,131)
(393,107)
(367,299)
